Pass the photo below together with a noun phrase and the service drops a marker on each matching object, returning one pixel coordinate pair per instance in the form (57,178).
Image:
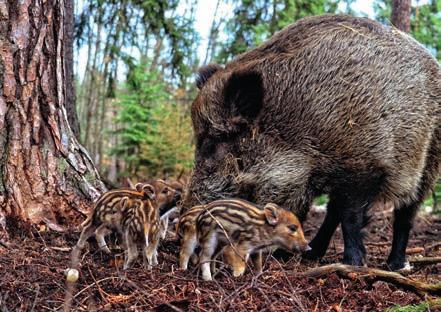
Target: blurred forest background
(135,62)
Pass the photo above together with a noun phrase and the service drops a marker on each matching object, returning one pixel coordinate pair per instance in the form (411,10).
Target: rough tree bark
(400,16)
(45,174)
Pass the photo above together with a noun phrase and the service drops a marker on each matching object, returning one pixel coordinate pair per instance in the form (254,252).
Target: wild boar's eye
(208,147)
(292,228)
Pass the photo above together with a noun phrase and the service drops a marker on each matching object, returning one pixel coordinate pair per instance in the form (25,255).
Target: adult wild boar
(331,104)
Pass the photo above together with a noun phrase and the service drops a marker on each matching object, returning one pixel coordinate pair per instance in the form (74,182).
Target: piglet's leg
(87,232)
(257,260)
(189,243)
(151,252)
(214,260)
(164,227)
(131,252)
(208,247)
(100,233)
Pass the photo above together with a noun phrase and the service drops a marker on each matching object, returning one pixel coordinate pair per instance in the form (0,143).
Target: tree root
(371,274)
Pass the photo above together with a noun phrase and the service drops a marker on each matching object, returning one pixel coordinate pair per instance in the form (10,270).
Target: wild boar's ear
(205,72)
(271,214)
(244,94)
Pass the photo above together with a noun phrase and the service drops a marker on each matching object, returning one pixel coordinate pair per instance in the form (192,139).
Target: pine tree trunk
(401,14)
(45,174)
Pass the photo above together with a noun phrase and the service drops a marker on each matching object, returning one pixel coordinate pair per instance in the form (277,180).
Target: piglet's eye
(292,228)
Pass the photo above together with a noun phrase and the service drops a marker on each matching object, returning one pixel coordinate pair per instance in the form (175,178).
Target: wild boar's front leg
(353,210)
(321,240)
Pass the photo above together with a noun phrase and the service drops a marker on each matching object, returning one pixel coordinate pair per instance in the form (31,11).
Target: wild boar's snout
(325,106)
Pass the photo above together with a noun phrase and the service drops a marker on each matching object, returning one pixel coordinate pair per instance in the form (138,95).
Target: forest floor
(32,278)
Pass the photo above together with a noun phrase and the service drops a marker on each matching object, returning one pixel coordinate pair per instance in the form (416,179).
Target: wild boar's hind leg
(404,215)
(321,240)
(403,219)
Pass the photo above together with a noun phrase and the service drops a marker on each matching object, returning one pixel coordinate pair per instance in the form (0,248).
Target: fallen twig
(353,272)
(66,249)
(37,292)
(424,260)
(414,250)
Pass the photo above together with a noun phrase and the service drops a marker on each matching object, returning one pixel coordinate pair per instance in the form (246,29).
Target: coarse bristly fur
(238,229)
(331,104)
(134,214)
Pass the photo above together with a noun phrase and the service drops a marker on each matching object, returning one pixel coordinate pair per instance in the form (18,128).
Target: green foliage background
(155,132)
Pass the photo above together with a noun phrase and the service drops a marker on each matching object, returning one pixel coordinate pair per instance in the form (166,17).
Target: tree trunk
(71,110)
(401,14)
(90,102)
(45,174)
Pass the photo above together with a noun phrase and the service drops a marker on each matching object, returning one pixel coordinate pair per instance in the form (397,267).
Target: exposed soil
(32,278)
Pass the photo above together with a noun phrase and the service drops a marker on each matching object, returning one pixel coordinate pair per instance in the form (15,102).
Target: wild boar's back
(361,94)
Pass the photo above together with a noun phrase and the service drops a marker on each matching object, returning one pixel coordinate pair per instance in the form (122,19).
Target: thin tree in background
(214,33)
(45,174)
(69,33)
(400,16)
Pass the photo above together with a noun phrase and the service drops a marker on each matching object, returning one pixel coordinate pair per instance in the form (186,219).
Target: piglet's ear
(138,187)
(271,214)
(168,189)
(149,191)
(243,94)
(124,202)
(205,72)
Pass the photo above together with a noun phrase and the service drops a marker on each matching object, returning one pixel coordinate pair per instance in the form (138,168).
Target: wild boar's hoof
(399,266)
(406,269)
(355,258)
(281,254)
(313,254)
